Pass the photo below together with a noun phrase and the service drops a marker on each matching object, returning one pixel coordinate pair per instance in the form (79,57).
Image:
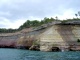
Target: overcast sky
(14,13)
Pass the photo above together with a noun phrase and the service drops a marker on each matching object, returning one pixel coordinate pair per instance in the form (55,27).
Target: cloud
(67,14)
(7,23)
(21,10)
(16,24)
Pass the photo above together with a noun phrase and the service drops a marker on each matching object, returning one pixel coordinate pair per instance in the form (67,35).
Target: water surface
(17,54)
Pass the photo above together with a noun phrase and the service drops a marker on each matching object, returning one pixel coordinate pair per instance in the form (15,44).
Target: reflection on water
(17,54)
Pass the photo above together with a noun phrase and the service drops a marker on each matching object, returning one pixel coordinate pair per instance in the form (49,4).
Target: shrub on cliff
(78,40)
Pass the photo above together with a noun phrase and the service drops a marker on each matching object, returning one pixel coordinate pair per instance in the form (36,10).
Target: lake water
(17,54)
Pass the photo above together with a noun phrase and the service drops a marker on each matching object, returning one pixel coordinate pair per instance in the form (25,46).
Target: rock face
(50,38)
(53,37)
(60,36)
(8,41)
(35,47)
(24,42)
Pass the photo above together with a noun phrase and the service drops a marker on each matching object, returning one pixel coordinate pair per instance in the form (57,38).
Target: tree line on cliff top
(28,24)
(36,23)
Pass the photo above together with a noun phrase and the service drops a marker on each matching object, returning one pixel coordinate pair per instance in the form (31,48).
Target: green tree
(35,23)
(76,15)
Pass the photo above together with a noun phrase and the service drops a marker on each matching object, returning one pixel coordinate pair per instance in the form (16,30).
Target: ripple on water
(17,54)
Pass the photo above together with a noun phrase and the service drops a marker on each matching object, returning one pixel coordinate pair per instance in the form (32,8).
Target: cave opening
(54,49)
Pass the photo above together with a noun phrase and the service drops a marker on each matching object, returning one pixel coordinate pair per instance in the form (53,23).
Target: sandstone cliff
(48,37)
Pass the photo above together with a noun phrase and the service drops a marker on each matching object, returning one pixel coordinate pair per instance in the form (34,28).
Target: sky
(13,13)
